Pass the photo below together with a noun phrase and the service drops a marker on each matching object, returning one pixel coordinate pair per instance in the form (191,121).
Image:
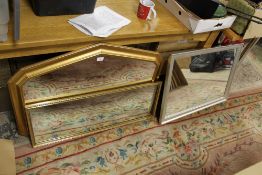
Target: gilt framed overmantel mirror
(197,79)
(75,91)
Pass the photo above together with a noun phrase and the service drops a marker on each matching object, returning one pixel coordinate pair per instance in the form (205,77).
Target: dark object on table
(205,9)
(62,7)
(203,63)
(16,9)
(256,1)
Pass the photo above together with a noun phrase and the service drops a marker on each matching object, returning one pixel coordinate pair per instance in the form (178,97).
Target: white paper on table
(102,23)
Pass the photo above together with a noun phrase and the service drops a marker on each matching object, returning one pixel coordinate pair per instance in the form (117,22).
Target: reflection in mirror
(196,80)
(95,113)
(92,73)
(248,77)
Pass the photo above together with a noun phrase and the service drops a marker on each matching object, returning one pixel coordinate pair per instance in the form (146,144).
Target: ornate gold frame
(17,81)
(149,116)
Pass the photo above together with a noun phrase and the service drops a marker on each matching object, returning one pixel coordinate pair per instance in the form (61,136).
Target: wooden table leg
(210,40)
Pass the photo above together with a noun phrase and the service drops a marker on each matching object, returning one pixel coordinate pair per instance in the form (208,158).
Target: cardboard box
(62,7)
(193,22)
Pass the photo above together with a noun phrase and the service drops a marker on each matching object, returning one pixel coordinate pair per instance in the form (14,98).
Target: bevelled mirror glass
(248,79)
(197,79)
(92,113)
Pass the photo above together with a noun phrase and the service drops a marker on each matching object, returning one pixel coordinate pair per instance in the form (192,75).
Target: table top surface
(54,33)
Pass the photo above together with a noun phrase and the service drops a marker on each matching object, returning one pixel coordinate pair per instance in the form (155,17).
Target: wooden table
(40,35)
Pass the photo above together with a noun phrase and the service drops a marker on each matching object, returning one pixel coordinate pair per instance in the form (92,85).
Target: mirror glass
(100,111)
(248,77)
(196,80)
(93,73)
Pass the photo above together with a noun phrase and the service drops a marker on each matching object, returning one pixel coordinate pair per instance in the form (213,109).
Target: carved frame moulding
(78,74)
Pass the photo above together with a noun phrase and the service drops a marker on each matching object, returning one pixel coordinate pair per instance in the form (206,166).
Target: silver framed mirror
(197,79)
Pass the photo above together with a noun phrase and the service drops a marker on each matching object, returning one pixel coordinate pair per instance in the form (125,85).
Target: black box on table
(62,7)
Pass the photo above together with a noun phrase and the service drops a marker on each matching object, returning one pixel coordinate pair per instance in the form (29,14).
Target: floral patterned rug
(223,139)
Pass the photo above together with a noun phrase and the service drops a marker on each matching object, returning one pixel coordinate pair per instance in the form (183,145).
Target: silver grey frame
(170,65)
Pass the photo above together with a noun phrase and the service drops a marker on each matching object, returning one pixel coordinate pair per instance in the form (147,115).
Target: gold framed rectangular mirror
(49,123)
(197,79)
